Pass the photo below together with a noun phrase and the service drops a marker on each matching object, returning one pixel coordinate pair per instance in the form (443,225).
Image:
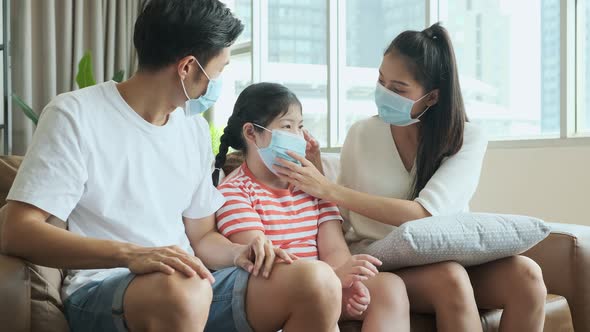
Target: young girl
(266,122)
(425,160)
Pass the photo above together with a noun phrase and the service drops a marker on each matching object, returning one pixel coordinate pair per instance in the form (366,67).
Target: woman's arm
(448,191)
(391,211)
(387,210)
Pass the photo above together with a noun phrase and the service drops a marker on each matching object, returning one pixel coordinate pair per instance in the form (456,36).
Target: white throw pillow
(466,238)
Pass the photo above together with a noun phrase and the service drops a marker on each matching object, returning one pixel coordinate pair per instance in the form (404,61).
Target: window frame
(570,95)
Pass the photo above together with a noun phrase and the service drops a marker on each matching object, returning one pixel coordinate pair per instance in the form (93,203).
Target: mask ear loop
(182,81)
(184,89)
(261,127)
(427,107)
(204,72)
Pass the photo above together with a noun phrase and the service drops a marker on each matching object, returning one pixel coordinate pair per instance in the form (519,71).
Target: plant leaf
(118,77)
(85,77)
(29,113)
(216,133)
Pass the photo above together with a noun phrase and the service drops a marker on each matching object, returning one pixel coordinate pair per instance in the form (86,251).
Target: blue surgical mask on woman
(395,109)
(199,105)
(281,142)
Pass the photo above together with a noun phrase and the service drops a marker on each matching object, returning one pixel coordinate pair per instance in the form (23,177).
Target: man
(130,171)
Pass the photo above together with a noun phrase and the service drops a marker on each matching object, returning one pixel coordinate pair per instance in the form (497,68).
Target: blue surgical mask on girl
(281,142)
(395,109)
(199,105)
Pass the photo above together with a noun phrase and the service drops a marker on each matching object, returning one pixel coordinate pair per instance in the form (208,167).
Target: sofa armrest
(15,295)
(564,257)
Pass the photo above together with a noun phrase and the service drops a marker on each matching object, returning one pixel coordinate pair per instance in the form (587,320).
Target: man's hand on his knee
(142,260)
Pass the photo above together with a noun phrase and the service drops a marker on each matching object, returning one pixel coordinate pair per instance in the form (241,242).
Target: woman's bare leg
(445,290)
(516,285)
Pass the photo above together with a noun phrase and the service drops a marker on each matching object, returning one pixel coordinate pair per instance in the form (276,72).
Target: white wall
(552,183)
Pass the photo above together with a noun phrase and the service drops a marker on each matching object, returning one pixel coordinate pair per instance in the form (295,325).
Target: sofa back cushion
(8,168)
(45,283)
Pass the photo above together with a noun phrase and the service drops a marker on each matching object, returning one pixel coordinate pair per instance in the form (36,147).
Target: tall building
(243,9)
(486,37)
(297,31)
(587,42)
(550,67)
(372,25)
(480,31)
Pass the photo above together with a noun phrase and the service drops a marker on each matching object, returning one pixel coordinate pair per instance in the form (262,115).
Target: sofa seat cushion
(557,316)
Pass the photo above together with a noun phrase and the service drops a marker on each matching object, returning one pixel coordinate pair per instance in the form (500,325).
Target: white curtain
(49,37)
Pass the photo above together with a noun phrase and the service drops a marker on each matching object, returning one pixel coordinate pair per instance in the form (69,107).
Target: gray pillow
(466,238)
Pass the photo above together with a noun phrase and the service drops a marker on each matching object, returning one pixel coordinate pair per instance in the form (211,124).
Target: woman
(424,160)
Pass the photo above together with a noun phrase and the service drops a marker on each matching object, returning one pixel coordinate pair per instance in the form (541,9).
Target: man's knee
(157,300)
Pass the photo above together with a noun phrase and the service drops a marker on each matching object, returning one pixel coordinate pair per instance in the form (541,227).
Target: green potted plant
(84,78)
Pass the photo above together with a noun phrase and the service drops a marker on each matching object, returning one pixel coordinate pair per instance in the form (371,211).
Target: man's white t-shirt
(112,175)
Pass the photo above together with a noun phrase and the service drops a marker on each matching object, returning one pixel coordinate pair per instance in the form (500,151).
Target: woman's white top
(370,163)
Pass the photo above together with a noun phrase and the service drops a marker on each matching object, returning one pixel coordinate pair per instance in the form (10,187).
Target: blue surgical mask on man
(199,105)
(281,142)
(395,109)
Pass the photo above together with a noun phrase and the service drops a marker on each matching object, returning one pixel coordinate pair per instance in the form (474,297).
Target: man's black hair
(168,30)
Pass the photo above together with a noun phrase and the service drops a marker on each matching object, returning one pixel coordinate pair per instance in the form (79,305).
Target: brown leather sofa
(30,300)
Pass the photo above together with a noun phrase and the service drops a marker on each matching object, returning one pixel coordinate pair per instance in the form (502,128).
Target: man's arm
(217,252)
(212,248)
(27,235)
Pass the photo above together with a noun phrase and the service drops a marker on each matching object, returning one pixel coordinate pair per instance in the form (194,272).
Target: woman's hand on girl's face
(305,177)
(312,151)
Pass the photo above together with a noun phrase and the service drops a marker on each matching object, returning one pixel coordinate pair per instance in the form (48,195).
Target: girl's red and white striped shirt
(290,219)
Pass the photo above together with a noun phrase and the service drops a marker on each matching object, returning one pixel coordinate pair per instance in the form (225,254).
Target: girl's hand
(305,177)
(355,301)
(357,268)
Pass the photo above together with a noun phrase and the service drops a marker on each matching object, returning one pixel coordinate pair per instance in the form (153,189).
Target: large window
(370,27)
(243,10)
(583,71)
(297,57)
(510,56)
(236,77)
(238,74)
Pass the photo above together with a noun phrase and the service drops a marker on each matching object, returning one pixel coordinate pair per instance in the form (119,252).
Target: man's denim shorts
(98,306)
